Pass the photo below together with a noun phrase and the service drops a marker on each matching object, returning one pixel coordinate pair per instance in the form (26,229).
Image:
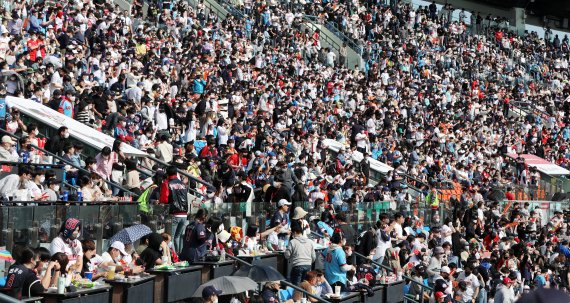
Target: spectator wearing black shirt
(22,280)
(281,217)
(152,255)
(347,230)
(56,143)
(64,41)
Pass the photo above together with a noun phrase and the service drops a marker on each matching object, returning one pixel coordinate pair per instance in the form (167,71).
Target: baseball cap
(439,295)
(7,139)
(283,202)
(507,280)
(120,246)
(446,269)
(209,291)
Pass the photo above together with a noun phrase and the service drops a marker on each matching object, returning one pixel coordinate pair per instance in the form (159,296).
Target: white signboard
(77,130)
(357,156)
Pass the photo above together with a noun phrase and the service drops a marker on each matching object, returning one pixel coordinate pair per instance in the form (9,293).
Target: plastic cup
(111,273)
(337,290)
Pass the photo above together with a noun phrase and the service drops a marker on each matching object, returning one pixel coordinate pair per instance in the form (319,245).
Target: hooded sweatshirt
(300,251)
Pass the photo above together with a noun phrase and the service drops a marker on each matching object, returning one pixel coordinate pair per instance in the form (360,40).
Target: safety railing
(66,162)
(323,35)
(181,172)
(295,287)
(236,11)
(145,171)
(547,207)
(361,215)
(350,42)
(424,288)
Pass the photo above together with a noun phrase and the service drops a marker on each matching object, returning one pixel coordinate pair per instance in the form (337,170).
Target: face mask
(124,123)
(66,135)
(42,179)
(215,301)
(56,188)
(36,132)
(93,166)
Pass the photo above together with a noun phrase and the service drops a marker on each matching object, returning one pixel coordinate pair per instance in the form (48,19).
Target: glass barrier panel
(89,217)
(21,218)
(4,223)
(109,217)
(72,211)
(89,214)
(129,214)
(44,217)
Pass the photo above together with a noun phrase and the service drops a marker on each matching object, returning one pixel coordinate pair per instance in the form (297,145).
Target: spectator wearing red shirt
(509,195)
(237,160)
(35,47)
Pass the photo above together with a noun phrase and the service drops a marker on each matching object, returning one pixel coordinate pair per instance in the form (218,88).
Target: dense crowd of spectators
(245,104)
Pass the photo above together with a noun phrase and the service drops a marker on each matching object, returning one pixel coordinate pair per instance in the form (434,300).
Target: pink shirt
(105,166)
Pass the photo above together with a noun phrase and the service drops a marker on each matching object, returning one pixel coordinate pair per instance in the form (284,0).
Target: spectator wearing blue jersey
(199,85)
(335,261)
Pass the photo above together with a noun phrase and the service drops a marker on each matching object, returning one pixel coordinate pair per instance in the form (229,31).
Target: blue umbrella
(131,234)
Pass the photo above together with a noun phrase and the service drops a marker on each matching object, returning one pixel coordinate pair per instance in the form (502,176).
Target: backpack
(144,206)
(359,244)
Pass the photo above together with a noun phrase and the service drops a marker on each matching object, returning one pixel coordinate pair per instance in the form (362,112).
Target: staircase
(212,5)
(329,36)
(334,40)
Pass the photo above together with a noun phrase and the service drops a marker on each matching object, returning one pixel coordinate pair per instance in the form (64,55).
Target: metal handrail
(404,277)
(335,30)
(350,42)
(232,9)
(148,171)
(387,268)
(295,287)
(189,176)
(314,19)
(70,163)
(7,299)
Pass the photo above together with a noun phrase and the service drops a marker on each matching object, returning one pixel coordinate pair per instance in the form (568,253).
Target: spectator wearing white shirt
(10,184)
(8,150)
(67,243)
(472,283)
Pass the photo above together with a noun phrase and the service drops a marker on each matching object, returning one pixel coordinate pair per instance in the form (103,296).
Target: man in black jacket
(365,167)
(56,143)
(175,193)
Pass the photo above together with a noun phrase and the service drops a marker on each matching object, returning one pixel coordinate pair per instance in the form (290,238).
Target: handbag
(117,175)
